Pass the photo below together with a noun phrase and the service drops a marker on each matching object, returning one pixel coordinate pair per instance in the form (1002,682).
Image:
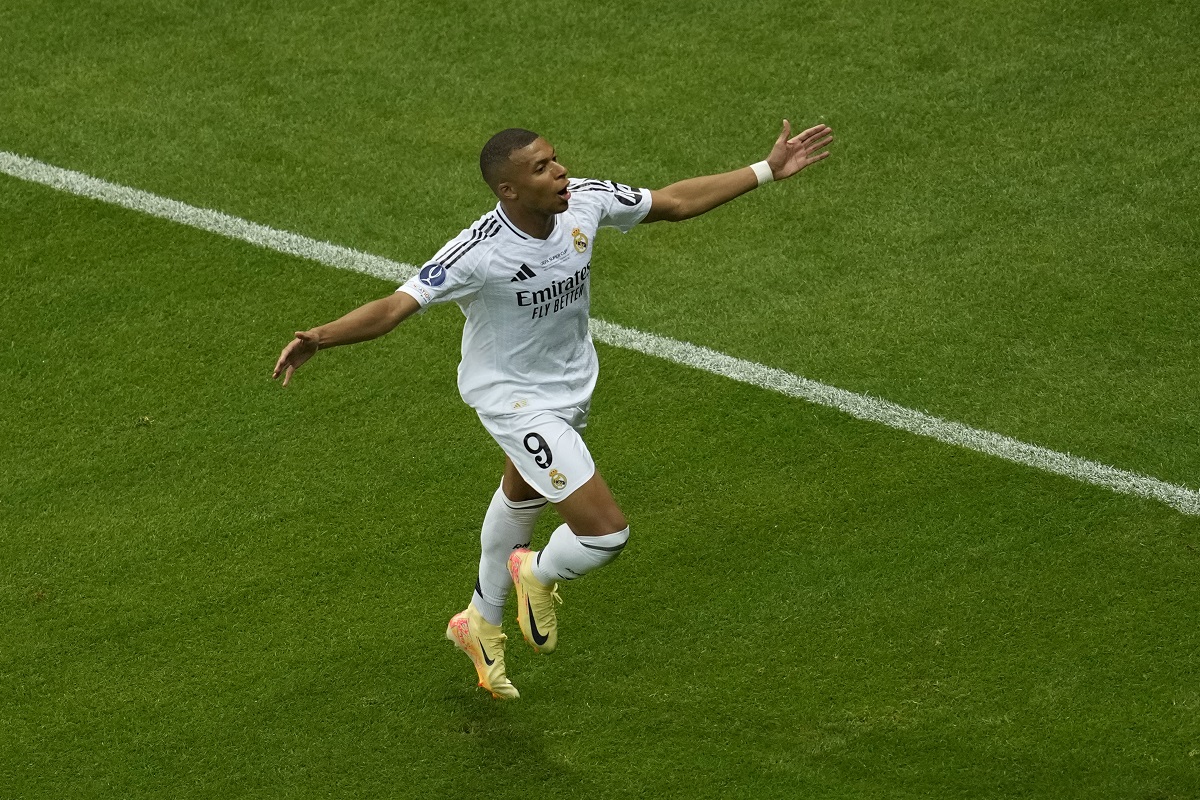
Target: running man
(521,275)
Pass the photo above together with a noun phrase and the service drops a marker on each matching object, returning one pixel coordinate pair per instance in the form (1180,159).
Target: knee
(615,522)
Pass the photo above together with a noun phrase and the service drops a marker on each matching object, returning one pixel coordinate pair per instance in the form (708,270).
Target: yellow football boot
(535,603)
(484,644)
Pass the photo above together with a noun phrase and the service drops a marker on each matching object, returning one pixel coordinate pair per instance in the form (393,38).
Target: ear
(506,191)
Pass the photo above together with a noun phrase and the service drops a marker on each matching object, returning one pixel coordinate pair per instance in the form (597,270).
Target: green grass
(211,586)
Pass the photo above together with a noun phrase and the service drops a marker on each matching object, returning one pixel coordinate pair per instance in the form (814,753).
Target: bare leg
(591,510)
(515,487)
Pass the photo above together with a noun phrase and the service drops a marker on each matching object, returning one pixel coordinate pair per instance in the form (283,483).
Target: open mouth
(565,194)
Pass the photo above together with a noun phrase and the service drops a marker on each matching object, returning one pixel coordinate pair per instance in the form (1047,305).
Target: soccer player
(521,275)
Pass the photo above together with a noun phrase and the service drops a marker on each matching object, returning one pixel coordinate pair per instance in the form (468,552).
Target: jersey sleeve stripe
(484,233)
(453,247)
(585,185)
(454,251)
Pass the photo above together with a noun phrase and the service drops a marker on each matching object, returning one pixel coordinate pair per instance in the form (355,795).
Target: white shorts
(546,448)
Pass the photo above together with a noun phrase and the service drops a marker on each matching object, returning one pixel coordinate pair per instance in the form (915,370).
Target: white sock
(567,556)
(507,525)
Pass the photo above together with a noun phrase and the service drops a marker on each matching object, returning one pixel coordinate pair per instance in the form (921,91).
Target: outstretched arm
(695,196)
(365,322)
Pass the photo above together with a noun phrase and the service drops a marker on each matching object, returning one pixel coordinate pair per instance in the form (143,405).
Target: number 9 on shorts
(546,448)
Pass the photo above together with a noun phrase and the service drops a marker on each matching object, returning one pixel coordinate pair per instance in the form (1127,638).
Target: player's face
(538,180)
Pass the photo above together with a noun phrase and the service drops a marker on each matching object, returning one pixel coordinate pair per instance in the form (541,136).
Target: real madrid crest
(580,240)
(557,479)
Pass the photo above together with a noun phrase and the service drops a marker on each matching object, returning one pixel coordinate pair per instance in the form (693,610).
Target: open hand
(790,155)
(299,350)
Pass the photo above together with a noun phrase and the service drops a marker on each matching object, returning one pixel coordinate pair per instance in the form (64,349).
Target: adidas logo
(524,274)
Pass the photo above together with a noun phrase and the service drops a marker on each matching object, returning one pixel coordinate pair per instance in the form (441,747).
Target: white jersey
(526,344)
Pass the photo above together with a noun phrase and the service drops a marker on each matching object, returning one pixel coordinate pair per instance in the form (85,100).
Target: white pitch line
(861,407)
(894,416)
(205,219)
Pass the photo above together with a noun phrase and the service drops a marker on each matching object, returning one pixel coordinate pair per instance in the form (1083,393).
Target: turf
(214,586)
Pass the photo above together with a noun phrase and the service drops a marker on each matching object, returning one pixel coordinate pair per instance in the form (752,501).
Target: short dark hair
(497,150)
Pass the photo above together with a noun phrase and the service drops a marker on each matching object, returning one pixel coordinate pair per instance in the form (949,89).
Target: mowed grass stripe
(1183,499)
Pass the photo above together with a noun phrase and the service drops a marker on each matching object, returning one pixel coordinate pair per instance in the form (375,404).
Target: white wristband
(763,170)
